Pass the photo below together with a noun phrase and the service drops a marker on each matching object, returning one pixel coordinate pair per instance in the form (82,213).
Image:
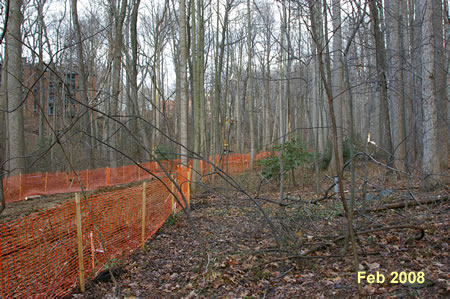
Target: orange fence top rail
(17,188)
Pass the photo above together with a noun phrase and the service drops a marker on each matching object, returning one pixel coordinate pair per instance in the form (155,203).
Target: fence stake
(87,179)
(172,198)
(144,197)
(20,185)
(189,174)
(92,250)
(107,176)
(46,178)
(79,241)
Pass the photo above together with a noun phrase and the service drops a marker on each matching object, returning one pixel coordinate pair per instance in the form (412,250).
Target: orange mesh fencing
(19,187)
(39,252)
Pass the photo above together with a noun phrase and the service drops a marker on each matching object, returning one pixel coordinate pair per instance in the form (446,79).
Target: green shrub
(294,155)
(165,152)
(171,220)
(325,157)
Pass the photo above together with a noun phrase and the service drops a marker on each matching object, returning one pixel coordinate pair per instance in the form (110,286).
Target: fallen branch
(422,231)
(410,203)
(306,255)
(293,198)
(325,195)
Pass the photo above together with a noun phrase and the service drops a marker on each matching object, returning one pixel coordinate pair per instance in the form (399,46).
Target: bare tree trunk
(267,106)
(42,109)
(137,125)
(118,13)
(183,82)
(84,109)
(338,84)
(381,70)
(198,69)
(394,23)
(238,105)
(3,127)
(14,83)
(250,86)
(156,92)
(431,162)
(440,75)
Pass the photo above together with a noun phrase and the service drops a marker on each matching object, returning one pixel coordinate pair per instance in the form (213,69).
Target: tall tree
(440,75)
(385,127)
(250,98)
(431,162)
(118,11)
(14,82)
(85,124)
(183,84)
(3,128)
(198,47)
(395,25)
(338,84)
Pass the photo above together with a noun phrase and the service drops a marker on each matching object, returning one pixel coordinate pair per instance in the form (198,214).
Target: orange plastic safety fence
(38,252)
(19,187)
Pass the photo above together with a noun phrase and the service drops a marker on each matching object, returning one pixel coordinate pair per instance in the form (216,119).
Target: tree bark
(440,75)
(394,24)
(250,86)
(14,83)
(338,85)
(380,51)
(118,13)
(183,82)
(85,124)
(431,162)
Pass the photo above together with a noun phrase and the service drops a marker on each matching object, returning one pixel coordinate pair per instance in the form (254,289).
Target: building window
(35,104)
(71,81)
(51,104)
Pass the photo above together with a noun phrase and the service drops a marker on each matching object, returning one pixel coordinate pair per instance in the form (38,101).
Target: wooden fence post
(20,185)
(107,176)
(79,241)
(144,197)
(174,203)
(46,180)
(189,175)
(92,250)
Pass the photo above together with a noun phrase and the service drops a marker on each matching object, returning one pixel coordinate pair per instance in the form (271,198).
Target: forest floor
(236,255)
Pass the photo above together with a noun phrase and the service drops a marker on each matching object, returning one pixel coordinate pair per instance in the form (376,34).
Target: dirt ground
(227,249)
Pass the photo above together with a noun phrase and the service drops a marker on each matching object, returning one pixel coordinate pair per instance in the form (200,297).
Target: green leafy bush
(325,158)
(165,152)
(294,155)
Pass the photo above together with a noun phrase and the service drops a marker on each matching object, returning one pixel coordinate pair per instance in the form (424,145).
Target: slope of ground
(243,261)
